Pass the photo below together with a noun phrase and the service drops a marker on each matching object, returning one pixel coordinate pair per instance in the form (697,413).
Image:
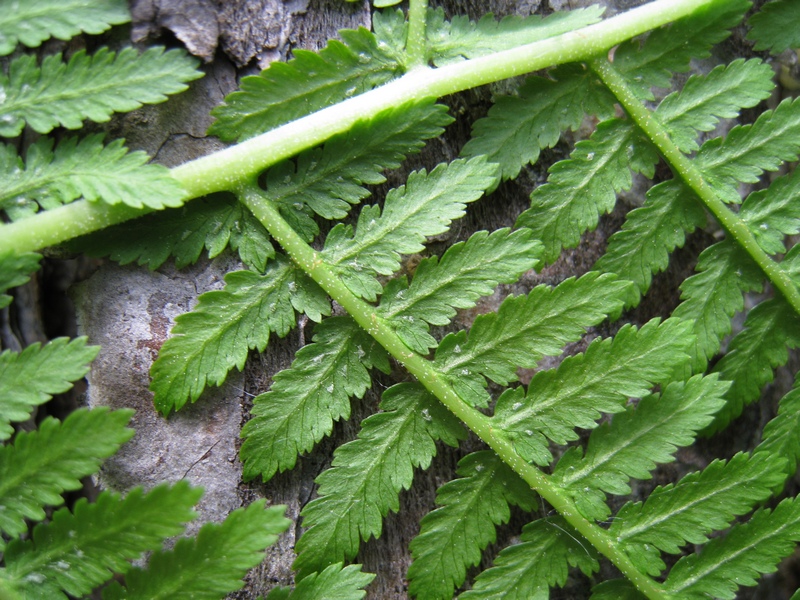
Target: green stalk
(365,315)
(692,177)
(415,45)
(231,167)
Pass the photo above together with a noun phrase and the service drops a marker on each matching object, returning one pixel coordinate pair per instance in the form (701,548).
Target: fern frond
(776,27)
(42,464)
(31,23)
(15,270)
(31,377)
(309,396)
(460,38)
(86,169)
(226,324)
(77,552)
(712,296)
(770,329)
(636,441)
(88,87)
(704,100)
(780,436)
(746,552)
(452,537)
(772,214)
(309,82)
(650,233)
(329,179)
(214,222)
(209,565)
(586,385)
(670,49)
(749,150)
(523,330)
(698,504)
(616,589)
(333,582)
(584,187)
(368,474)
(466,271)
(527,571)
(425,206)
(518,126)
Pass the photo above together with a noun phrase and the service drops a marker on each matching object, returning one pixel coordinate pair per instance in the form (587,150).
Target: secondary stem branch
(693,178)
(231,167)
(365,315)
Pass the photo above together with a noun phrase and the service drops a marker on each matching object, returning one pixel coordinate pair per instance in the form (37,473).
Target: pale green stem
(693,178)
(229,168)
(415,45)
(366,316)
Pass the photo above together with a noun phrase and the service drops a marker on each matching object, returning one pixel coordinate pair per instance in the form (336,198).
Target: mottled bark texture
(130,310)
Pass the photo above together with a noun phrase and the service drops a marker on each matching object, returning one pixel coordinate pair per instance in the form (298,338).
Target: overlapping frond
(368,474)
(425,206)
(31,377)
(88,87)
(31,23)
(77,551)
(226,324)
(209,565)
(15,270)
(466,271)
(82,168)
(776,27)
(333,582)
(452,537)
(306,399)
(781,436)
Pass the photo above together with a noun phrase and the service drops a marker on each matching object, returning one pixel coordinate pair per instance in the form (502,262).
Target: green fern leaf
(712,296)
(88,87)
(776,27)
(720,94)
(31,377)
(616,589)
(209,565)
(226,324)
(425,206)
(772,214)
(15,270)
(749,150)
(582,188)
(214,222)
(307,83)
(518,126)
(452,537)
(34,22)
(466,271)
(368,474)
(780,435)
(40,465)
(461,38)
(738,559)
(334,582)
(77,552)
(329,179)
(525,329)
(586,385)
(753,354)
(636,441)
(698,504)
(527,571)
(90,170)
(308,397)
(670,49)
(650,233)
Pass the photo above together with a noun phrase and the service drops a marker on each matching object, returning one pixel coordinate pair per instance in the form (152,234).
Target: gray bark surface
(130,310)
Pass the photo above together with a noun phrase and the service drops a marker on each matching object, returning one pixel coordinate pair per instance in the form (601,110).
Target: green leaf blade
(369,473)
(333,582)
(15,270)
(306,399)
(775,27)
(452,537)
